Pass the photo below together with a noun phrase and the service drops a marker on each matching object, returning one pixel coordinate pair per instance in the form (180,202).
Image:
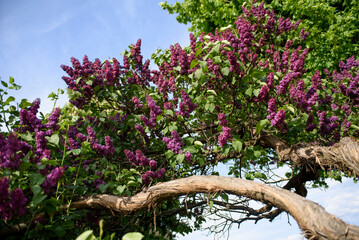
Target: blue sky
(37,36)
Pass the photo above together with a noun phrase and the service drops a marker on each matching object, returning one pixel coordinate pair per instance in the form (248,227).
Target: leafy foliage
(332,25)
(128,127)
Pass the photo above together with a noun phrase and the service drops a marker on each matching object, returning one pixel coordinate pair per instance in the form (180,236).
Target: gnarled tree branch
(343,156)
(315,222)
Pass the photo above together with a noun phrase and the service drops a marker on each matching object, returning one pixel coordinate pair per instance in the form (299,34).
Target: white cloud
(62,18)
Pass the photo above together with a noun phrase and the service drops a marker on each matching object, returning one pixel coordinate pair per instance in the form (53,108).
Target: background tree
(332,24)
(241,96)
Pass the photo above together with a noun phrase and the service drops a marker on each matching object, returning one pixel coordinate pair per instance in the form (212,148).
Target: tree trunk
(314,221)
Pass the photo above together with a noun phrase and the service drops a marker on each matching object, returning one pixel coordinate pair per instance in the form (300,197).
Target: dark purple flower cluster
(153,175)
(137,102)
(104,150)
(327,125)
(16,203)
(143,133)
(12,151)
(28,119)
(54,119)
(52,178)
(42,150)
(154,112)
(139,159)
(186,106)
(276,118)
(224,136)
(175,144)
(222,119)
(188,156)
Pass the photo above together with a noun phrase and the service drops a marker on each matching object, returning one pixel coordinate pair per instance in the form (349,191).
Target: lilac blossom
(54,119)
(188,156)
(52,179)
(137,102)
(175,144)
(224,136)
(222,119)
(18,201)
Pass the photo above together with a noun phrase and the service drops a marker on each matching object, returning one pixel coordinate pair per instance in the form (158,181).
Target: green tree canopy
(331,24)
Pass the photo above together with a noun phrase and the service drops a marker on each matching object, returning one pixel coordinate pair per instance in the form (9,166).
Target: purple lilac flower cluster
(12,151)
(224,136)
(143,133)
(222,119)
(137,102)
(154,112)
(139,159)
(105,150)
(13,203)
(276,118)
(52,178)
(175,144)
(186,106)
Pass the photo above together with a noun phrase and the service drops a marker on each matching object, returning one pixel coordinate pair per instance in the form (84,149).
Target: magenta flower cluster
(10,204)
(12,151)
(154,112)
(175,144)
(138,159)
(224,136)
(52,179)
(186,106)
(277,119)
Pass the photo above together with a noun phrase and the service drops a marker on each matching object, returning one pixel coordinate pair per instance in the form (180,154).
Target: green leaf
(212,92)
(36,178)
(103,187)
(11,80)
(237,145)
(257,154)
(210,204)
(249,92)
(54,139)
(60,231)
(38,199)
(261,124)
(121,188)
(211,107)
(87,235)
(36,189)
(180,158)
(260,175)
(77,151)
(4,84)
(198,73)
(354,126)
(9,99)
(169,154)
(198,143)
(193,63)
(256,92)
(133,236)
(225,71)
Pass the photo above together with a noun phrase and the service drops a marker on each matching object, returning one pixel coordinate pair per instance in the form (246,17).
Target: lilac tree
(137,147)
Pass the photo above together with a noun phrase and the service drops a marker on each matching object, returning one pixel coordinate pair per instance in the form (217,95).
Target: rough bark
(314,221)
(342,156)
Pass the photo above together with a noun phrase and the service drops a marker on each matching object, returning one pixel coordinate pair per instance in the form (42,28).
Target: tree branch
(315,222)
(343,156)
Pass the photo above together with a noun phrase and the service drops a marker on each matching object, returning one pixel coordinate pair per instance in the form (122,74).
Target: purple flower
(18,201)
(224,136)
(137,102)
(52,179)
(222,119)
(188,156)
(175,144)
(54,119)
(153,164)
